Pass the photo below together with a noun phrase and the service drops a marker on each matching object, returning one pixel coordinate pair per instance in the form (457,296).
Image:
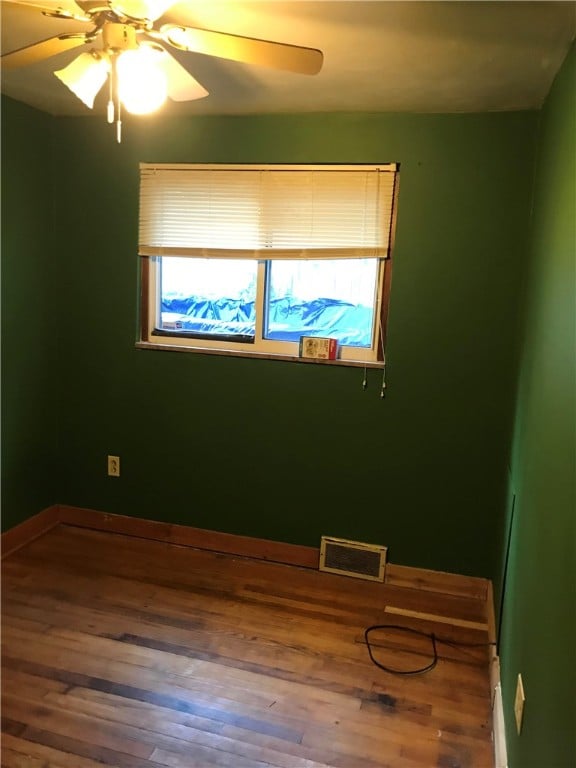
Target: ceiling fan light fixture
(142,82)
(135,54)
(85,76)
(141,9)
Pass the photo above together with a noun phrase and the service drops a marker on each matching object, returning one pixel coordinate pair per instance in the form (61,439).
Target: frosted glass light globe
(142,84)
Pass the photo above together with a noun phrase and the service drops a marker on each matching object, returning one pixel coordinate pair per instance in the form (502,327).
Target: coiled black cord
(433,640)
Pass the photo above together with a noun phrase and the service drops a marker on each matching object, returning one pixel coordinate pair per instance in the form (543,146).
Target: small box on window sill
(318,347)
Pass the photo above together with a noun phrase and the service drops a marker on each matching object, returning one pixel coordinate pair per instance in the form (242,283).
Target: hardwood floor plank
(436,581)
(12,727)
(201,668)
(78,748)
(398,611)
(21,683)
(70,724)
(232,715)
(290,751)
(202,685)
(347,673)
(130,653)
(325,756)
(159,726)
(48,756)
(11,759)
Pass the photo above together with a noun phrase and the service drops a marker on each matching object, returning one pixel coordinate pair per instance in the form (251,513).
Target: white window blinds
(268,212)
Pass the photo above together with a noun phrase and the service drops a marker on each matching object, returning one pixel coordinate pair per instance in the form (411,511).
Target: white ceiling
(379,56)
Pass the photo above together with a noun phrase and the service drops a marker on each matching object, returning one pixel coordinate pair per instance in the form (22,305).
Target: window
(248,259)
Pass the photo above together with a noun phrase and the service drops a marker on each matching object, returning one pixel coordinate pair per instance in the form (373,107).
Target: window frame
(152,337)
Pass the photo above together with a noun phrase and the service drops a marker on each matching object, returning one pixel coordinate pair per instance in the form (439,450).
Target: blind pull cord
(383,390)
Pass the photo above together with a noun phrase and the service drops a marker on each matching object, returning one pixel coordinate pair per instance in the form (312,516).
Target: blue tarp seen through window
(288,319)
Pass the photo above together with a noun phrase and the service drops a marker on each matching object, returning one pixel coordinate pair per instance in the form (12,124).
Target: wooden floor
(137,654)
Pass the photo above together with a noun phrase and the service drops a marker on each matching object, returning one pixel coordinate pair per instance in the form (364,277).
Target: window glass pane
(333,298)
(208,296)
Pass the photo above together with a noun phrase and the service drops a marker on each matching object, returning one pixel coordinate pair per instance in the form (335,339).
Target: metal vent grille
(352,558)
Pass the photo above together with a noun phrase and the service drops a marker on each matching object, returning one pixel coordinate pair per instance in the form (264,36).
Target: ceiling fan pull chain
(110,111)
(118,118)
(114,103)
(111,88)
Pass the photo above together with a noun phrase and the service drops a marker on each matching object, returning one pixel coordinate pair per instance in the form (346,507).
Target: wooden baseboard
(491,618)
(232,544)
(498,724)
(30,529)
(184,535)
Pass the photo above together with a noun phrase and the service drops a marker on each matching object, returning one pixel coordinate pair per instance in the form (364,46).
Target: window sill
(259,355)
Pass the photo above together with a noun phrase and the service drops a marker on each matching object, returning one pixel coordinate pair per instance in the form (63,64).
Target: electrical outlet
(114,466)
(519,703)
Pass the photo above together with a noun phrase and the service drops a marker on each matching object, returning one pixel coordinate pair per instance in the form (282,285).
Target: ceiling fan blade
(44,49)
(250,50)
(54,11)
(181,85)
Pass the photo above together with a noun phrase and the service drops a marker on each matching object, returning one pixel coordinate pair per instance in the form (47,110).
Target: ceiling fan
(131,50)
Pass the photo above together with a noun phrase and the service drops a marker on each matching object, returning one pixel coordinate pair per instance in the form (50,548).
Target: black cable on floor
(430,635)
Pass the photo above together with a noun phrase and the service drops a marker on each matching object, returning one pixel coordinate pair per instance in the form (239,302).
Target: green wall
(289,451)
(29,372)
(539,629)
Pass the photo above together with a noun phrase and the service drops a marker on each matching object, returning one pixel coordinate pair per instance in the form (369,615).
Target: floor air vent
(352,558)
